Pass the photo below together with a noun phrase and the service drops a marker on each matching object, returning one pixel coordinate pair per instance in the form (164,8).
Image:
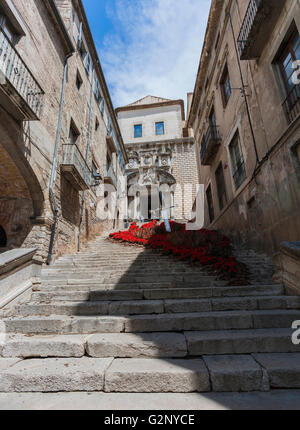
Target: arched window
(3,238)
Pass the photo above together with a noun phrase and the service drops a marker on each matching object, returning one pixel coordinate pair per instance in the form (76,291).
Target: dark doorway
(3,238)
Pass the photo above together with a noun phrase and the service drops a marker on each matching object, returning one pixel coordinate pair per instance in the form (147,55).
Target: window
(97,90)
(210,204)
(138,131)
(237,161)
(221,187)
(88,62)
(102,106)
(225,86)
(7,28)
(97,124)
(289,54)
(78,81)
(108,164)
(3,238)
(109,126)
(160,128)
(212,118)
(73,134)
(217,41)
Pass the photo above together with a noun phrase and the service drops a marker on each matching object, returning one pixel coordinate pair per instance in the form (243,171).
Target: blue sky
(148,46)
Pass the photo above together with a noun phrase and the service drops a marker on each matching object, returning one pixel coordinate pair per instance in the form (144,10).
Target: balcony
(20,93)
(75,168)
(110,177)
(258,25)
(291,104)
(210,145)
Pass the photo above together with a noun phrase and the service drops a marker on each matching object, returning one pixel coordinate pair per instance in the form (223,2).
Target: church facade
(162,171)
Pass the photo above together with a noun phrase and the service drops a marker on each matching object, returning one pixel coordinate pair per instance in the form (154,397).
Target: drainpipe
(87,154)
(243,89)
(54,164)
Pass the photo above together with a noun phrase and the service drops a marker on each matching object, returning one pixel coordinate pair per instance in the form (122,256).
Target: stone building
(59,137)
(245,116)
(161,173)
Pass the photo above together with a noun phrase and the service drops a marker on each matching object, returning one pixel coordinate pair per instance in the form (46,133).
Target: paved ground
(274,400)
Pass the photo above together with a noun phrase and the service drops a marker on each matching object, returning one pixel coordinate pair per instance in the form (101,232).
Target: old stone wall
(264,208)
(26,210)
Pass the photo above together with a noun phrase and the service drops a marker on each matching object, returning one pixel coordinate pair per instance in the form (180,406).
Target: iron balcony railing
(291,104)
(19,75)
(212,135)
(73,157)
(247,24)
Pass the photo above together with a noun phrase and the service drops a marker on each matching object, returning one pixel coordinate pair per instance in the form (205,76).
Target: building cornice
(182,140)
(154,105)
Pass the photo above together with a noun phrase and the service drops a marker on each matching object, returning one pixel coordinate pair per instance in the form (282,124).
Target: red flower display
(208,247)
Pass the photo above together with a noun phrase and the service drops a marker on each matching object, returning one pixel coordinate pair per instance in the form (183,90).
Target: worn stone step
(43,346)
(86,285)
(228,320)
(138,307)
(76,294)
(202,321)
(157,376)
(55,375)
(240,341)
(200,292)
(134,307)
(64,294)
(65,325)
(125,279)
(236,373)
(283,369)
(128,345)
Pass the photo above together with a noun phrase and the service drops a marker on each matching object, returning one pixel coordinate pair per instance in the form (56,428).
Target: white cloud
(155,48)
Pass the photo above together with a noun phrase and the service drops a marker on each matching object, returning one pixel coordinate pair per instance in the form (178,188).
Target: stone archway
(12,142)
(21,195)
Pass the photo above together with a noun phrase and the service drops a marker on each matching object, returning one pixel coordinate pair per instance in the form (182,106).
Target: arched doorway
(149,191)
(3,238)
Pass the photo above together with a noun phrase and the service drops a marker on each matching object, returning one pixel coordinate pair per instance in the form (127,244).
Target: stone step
(149,345)
(92,284)
(55,375)
(283,369)
(125,279)
(76,294)
(134,307)
(240,341)
(129,345)
(64,325)
(226,373)
(43,346)
(202,321)
(157,376)
(138,307)
(228,320)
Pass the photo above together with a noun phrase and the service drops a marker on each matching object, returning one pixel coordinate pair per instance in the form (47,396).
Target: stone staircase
(117,318)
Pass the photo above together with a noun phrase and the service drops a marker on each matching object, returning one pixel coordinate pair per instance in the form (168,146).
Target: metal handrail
(19,75)
(211,133)
(247,23)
